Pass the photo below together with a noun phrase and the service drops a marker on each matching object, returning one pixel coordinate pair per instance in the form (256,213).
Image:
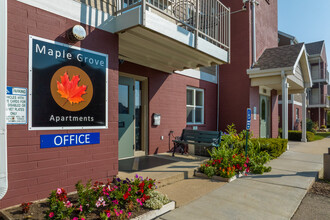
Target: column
(304,113)
(285,86)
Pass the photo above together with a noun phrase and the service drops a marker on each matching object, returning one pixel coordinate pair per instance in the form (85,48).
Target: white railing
(208,19)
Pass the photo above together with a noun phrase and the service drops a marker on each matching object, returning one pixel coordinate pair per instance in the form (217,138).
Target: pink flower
(245,165)
(82,219)
(115,202)
(98,204)
(139,201)
(51,215)
(80,208)
(59,191)
(129,215)
(75,218)
(68,204)
(108,214)
(129,189)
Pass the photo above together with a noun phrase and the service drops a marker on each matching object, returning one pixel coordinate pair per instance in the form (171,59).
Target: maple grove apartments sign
(67,87)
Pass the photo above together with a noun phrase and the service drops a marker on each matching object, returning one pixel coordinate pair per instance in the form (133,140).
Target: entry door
(264,116)
(126,113)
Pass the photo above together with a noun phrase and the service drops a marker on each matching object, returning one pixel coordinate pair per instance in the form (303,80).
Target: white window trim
(194,106)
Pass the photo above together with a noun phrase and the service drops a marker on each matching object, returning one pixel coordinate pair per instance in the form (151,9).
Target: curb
(156,213)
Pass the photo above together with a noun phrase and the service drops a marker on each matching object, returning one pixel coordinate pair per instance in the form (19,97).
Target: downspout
(254,44)
(3,89)
(218,96)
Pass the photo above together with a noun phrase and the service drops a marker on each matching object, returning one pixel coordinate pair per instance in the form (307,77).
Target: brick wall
(34,172)
(236,94)
(167,96)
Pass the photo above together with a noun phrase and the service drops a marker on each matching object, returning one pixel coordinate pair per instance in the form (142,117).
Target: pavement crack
(277,184)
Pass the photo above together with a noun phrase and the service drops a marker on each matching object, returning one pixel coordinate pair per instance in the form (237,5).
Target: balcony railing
(207,19)
(319,100)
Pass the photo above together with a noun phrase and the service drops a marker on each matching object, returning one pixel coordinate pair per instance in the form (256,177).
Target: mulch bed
(321,187)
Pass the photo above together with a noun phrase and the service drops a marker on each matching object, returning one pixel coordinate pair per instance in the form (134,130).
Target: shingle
(314,48)
(279,57)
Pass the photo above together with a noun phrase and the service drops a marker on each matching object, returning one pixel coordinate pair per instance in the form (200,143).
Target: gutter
(3,88)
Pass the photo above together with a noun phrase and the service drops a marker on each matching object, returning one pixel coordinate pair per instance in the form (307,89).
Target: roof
(279,57)
(315,47)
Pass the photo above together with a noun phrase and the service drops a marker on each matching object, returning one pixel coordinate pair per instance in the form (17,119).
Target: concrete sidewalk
(274,195)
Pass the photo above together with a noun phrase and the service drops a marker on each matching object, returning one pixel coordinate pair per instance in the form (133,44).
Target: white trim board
(197,74)
(290,102)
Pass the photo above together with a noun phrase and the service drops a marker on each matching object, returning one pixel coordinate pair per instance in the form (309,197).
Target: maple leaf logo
(70,90)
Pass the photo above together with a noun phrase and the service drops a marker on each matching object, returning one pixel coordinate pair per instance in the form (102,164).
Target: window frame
(193,89)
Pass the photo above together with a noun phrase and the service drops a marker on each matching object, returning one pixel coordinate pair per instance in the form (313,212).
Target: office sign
(68,87)
(16,104)
(66,140)
(248,119)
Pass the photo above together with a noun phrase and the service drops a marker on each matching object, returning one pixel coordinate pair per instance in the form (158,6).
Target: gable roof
(315,47)
(279,57)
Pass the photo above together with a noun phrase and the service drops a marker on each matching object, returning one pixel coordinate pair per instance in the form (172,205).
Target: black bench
(202,140)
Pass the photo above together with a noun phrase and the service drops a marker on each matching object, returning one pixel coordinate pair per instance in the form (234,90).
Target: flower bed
(229,160)
(121,199)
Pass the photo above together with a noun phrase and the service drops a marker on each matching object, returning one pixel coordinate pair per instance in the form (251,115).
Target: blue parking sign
(248,119)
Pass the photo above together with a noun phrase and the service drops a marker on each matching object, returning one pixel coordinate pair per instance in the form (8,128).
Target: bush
(311,126)
(156,201)
(275,147)
(323,127)
(297,135)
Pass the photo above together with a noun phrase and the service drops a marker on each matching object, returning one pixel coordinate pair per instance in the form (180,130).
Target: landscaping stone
(199,174)
(156,213)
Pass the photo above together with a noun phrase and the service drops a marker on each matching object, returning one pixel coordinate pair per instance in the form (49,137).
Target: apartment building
(92,82)
(260,71)
(318,102)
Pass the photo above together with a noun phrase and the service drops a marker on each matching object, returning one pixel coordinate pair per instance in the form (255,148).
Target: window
(195,106)
(297,114)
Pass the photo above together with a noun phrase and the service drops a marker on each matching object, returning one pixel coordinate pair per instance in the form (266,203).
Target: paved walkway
(274,195)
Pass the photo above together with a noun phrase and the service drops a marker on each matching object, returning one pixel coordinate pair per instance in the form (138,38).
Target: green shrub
(275,147)
(323,126)
(156,201)
(297,135)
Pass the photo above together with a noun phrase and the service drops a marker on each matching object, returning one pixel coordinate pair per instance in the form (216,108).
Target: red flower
(149,186)
(144,198)
(141,185)
(126,195)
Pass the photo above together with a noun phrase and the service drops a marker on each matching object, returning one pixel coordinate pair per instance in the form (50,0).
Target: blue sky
(307,20)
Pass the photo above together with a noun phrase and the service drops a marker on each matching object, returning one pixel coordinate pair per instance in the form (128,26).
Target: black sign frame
(49,61)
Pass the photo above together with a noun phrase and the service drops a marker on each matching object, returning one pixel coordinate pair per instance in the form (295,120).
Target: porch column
(285,121)
(304,111)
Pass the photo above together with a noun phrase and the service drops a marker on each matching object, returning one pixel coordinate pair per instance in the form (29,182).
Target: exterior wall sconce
(77,33)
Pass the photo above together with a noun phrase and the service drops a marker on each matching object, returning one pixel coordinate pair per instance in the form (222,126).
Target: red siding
(34,172)
(236,94)
(167,96)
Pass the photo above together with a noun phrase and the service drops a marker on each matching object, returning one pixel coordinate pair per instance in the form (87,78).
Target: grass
(321,135)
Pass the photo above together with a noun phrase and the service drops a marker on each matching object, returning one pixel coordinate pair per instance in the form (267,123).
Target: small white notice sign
(16,105)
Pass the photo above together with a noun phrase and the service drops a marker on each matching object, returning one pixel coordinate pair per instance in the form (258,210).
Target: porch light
(77,33)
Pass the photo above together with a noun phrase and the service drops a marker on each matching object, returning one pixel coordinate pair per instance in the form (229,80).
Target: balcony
(317,99)
(319,75)
(171,35)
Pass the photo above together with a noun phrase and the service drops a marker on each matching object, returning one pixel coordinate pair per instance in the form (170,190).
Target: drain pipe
(254,44)
(3,86)
(218,96)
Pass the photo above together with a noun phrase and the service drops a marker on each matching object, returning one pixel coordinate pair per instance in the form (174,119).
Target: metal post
(246,145)
(197,24)
(285,86)
(304,110)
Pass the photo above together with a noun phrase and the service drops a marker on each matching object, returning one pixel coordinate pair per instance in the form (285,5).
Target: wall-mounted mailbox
(156,119)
